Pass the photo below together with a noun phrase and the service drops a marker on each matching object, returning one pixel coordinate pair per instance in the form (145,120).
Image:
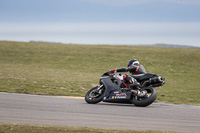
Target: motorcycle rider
(134,68)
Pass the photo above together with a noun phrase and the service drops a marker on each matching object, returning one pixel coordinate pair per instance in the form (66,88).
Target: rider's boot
(133,84)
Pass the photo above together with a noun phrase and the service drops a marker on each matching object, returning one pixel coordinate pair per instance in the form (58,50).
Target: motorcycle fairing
(113,92)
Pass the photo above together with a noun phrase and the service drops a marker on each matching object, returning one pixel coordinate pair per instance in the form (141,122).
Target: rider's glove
(112,71)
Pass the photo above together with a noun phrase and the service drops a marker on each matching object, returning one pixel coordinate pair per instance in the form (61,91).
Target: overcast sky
(101,21)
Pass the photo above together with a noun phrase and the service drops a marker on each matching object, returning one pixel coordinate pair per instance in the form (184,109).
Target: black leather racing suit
(134,70)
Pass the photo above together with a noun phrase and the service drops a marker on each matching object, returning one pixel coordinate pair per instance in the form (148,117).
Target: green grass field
(16,128)
(64,69)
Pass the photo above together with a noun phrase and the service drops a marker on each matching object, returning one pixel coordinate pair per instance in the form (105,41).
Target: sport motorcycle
(113,88)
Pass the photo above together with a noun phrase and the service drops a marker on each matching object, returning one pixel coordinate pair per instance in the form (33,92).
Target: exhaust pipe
(156,80)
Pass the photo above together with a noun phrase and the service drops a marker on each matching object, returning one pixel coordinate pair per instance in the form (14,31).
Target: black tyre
(94,96)
(146,100)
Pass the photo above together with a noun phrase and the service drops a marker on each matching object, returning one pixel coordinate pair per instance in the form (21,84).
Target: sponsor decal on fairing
(121,96)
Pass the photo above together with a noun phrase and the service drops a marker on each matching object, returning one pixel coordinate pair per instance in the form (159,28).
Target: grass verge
(64,69)
(17,128)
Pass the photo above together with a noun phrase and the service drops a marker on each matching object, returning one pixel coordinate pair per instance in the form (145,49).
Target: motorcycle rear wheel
(92,97)
(146,100)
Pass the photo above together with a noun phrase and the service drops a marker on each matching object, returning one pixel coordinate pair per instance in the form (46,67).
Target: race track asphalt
(68,111)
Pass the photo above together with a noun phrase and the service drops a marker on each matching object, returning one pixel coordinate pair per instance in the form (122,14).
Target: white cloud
(99,27)
(104,33)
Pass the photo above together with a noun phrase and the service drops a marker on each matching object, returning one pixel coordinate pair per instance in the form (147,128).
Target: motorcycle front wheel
(146,100)
(95,95)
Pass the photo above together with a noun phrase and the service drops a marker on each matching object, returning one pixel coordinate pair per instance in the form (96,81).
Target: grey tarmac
(69,111)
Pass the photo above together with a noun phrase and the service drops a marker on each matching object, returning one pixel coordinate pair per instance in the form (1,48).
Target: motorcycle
(113,88)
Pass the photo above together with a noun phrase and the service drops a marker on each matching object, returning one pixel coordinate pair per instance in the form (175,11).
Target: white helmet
(133,62)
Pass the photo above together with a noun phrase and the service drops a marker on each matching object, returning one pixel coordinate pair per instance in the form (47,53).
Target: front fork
(99,90)
(99,87)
